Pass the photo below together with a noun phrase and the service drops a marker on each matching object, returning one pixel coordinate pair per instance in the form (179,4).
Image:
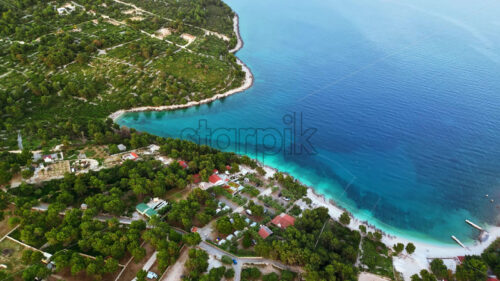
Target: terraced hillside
(64,64)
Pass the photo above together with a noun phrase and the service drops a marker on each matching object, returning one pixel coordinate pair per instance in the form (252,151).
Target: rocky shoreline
(247,83)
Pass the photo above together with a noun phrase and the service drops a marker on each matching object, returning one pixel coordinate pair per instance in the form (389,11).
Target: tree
(224,226)
(345,219)
(113,149)
(377,235)
(251,273)
(439,269)
(257,210)
(192,238)
(226,259)
(287,275)
(110,265)
(491,256)
(141,275)
(260,170)
(398,248)
(247,240)
(138,253)
(410,248)
(35,271)
(424,276)
(362,228)
(197,263)
(473,268)
(271,277)
(229,273)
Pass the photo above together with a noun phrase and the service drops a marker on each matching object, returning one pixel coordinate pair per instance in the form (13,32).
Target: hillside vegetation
(65,63)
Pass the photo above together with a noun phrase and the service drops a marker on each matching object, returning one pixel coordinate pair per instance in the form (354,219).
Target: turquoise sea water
(404,96)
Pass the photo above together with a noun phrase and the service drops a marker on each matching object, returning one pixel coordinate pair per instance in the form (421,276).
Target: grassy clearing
(10,255)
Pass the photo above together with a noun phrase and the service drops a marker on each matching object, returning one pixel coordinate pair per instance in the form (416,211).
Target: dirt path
(175,272)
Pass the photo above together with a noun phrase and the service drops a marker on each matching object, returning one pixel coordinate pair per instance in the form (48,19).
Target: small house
(183,164)
(215,179)
(283,221)
(131,156)
(196,178)
(141,208)
(265,232)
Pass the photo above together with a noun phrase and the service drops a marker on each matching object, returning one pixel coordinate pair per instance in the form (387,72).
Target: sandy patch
(365,276)
(175,272)
(213,262)
(162,33)
(129,12)
(136,18)
(112,21)
(188,37)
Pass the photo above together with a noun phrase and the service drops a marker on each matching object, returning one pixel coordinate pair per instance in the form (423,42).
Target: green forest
(64,64)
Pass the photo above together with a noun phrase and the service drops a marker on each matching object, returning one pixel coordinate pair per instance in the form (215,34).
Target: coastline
(404,263)
(247,83)
(420,259)
(236,28)
(407,264)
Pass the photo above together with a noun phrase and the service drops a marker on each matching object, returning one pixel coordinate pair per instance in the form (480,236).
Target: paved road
(212,250)
(228,202)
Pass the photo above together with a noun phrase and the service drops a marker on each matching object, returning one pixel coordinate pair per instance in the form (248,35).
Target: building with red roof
(461,259)
(492,279)
(264,232)
(131,156)
(283,220)
(196,178)
(228,167)
(214,178)
(183,164)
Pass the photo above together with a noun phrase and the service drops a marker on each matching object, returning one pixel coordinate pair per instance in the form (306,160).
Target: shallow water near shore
(405,98)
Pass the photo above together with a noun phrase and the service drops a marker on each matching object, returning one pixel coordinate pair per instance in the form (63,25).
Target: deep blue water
(404,95)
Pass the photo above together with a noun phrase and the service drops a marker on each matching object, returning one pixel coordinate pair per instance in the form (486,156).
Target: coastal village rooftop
(283,221)
(152,208)
(265,232)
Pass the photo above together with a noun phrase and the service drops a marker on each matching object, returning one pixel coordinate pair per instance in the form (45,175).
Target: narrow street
(213,250)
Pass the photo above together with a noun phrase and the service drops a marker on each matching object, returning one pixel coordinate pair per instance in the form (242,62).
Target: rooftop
(214,178)
(283,220)
(150,212)
(142,207)
(264,232)
(196,178)
(183,164)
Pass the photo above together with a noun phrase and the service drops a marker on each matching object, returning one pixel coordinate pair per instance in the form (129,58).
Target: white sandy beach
(410,264)
(404,263)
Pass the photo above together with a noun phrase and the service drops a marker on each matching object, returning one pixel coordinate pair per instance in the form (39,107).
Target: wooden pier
(474,225)
(458,241)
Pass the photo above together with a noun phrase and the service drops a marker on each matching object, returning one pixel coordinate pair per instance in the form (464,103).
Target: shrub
(226,259)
